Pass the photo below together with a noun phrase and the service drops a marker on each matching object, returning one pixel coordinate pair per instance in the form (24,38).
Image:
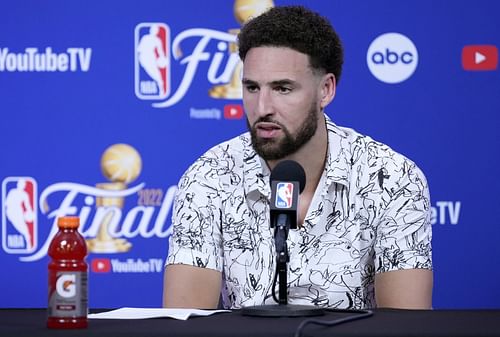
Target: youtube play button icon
(480,57)
(100,265)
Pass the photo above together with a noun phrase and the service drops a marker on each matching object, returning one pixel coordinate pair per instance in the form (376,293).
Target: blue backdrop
(77,82)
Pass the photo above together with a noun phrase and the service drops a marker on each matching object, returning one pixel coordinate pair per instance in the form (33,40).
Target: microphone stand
(282,309)
(282,257)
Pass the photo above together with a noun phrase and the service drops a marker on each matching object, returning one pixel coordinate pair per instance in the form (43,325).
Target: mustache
(266,119)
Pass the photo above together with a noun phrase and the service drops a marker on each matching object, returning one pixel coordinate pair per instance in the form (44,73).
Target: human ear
(328,87)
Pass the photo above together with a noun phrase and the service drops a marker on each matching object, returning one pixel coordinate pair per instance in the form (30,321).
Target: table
(384,322)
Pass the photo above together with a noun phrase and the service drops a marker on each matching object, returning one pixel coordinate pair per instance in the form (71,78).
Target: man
(364,235)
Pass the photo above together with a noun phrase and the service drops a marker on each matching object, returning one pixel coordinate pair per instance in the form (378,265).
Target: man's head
(291,58)
(297,28)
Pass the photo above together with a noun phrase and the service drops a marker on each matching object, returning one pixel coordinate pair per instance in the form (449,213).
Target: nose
(264,105)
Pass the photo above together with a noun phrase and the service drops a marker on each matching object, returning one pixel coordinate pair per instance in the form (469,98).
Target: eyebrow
(246,81)
(281,82)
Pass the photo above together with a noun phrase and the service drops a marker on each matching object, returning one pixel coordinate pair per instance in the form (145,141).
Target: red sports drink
(68,277)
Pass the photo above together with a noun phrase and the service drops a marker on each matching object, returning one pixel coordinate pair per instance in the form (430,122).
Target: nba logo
(284,195)
(152,60)
(19,215)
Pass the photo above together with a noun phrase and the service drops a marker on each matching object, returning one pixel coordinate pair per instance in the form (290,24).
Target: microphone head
(289,170)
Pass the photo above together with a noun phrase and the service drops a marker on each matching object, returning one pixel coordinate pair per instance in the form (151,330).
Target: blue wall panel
(56,125)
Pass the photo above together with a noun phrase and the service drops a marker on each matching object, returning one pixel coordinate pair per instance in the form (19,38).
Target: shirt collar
(338,165)
(337,168)
(256,173)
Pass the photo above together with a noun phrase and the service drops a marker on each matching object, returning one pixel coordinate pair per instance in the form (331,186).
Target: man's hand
(404,289)
(187,286)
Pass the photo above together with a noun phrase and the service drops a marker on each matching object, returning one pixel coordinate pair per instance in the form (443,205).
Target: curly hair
(300,29)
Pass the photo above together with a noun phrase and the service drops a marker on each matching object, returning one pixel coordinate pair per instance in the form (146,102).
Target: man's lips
(267,129)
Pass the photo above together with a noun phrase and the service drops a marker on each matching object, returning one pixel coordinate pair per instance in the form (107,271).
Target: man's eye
(251,88)
(283,90)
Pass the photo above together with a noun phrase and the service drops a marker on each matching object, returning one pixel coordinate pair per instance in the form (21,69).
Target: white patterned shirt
(370,213)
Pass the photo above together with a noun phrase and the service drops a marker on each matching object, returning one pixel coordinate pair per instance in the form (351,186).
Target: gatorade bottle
(67,277)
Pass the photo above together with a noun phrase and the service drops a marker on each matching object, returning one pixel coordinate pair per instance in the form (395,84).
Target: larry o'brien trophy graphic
(243,11)
(121,164)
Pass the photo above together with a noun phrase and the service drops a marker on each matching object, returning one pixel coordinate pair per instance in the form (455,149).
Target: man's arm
(186,286)
(405,289)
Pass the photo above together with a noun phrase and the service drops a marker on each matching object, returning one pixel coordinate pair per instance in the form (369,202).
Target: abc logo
(392,58)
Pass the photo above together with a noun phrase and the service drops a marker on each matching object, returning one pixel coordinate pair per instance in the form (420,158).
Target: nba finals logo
(152,61)
(284,195)
(217,50)
(19,215)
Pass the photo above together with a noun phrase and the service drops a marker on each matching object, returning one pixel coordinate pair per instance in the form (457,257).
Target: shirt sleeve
(404,231)
(196,219)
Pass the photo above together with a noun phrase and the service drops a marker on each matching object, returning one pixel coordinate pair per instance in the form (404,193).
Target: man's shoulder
(367,155)
(236,148)
(224,158)
(353,138)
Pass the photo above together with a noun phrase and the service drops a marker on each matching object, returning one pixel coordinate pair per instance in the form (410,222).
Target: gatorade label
(68,296)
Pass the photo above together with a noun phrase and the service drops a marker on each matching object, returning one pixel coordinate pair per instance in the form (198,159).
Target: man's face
(280,95)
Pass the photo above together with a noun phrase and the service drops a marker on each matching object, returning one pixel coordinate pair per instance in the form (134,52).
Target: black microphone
(288,180)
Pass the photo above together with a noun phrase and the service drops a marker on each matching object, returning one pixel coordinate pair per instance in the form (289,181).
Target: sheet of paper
(142,313)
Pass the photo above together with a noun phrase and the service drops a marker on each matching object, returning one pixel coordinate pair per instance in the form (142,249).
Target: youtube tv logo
(100,265)
(480,57)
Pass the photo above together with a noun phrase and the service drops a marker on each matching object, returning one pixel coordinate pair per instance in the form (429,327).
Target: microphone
(288,180)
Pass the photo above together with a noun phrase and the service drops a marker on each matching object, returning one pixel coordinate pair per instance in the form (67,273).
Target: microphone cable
(275,279)
(358,314)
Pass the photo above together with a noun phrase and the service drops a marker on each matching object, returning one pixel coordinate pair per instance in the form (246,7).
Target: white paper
(142,313)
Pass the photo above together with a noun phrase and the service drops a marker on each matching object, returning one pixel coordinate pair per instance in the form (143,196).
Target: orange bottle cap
(68,222)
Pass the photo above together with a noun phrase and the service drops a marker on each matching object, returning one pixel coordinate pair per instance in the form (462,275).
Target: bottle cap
(68,222)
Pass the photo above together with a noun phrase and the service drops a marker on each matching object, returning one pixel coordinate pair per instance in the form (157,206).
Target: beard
(275,149)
